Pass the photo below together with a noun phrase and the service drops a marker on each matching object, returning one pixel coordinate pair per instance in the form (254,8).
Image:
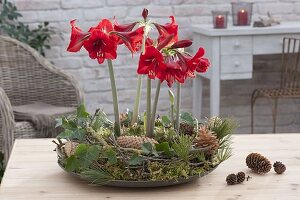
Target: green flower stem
(137,101)
(139,86)
(115,97)
(178,105)
(148,111)
(151,133)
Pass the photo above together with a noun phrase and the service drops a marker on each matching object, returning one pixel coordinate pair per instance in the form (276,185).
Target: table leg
(197,96)
(215,96)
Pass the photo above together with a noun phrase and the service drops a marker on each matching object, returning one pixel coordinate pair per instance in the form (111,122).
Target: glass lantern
(241,13)
(220,19)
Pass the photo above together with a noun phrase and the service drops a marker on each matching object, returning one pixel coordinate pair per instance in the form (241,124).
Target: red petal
(78,37)
(182,44)
(124,27)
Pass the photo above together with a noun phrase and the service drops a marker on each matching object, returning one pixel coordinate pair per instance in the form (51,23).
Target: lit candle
(242,17)
(220,22)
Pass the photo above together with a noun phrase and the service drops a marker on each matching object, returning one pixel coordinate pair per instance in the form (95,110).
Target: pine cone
(186,129)
(258,163)
(70,148)
(134,142)
(206,138)
(231,179)
(279,168)
(240,177)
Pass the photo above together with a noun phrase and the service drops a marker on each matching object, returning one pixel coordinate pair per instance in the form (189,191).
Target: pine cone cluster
(70,148)
(134,142)
(233,179)
(279,168)
(186,129)
(241,176)
(206,138)
(258,163)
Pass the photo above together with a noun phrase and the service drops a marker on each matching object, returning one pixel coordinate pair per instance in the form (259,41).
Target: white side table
(231,53)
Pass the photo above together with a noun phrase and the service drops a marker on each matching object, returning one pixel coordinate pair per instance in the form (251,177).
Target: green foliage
(166,121)
(182,147)
(222,127)
(224,154)
(100,120)
(165,148)
(111,155)
(171,97)
(136,159)
(38,38)
(187,118)
(148,148)
(84,156)
(134,130)
(97,176)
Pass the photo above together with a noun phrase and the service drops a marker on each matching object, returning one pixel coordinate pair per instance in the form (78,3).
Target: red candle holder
(220,19)
(241,13)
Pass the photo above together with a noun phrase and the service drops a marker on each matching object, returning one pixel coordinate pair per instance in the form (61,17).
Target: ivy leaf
(72,163)
(147,148)
(187,117)
(68,124)
(165,148)
(111,156)
(81,112)
(166,121)
(87,154)
(136,160)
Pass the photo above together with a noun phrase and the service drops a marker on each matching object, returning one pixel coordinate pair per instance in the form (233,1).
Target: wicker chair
(290,79)
(27,78)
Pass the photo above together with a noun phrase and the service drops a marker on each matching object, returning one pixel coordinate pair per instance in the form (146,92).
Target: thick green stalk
(115,97)
(137,101)
(151,133)
(178,105)
(148,111)
(139,86)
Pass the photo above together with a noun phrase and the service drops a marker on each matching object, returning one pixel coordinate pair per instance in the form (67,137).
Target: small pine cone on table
(241,176)
(186,129)
(258,163)
(206,138)
(279,168)
(134,142)
(231,179)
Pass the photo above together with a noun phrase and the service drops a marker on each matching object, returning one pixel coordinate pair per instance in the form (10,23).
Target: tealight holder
(241,13)
(220,19)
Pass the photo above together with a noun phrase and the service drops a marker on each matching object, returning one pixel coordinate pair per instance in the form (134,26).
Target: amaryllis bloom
(133,40)
(78,37)
(101,44)
(151,62)
(168,29)
(124,27)
(198,62)
(173,71)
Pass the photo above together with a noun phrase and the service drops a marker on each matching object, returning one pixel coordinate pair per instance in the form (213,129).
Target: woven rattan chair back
(25,76)
(290,75)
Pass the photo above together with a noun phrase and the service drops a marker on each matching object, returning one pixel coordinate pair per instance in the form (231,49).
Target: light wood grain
(32,173)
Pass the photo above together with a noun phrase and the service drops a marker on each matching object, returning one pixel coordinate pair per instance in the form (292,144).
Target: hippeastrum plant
(142,147)
(164,58)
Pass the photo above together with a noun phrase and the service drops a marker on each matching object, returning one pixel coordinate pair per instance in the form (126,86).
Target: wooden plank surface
(32,173)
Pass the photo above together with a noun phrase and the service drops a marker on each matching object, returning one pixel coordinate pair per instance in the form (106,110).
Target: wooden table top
(32,173)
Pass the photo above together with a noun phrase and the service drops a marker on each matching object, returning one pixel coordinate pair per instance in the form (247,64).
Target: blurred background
(93,78)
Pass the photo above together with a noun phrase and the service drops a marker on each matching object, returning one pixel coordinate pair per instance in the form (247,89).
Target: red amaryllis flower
(151,62)
(168,29)
(199,63)
(78,37)
(124,27)
(173,71)
(133,40)
(101,44)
